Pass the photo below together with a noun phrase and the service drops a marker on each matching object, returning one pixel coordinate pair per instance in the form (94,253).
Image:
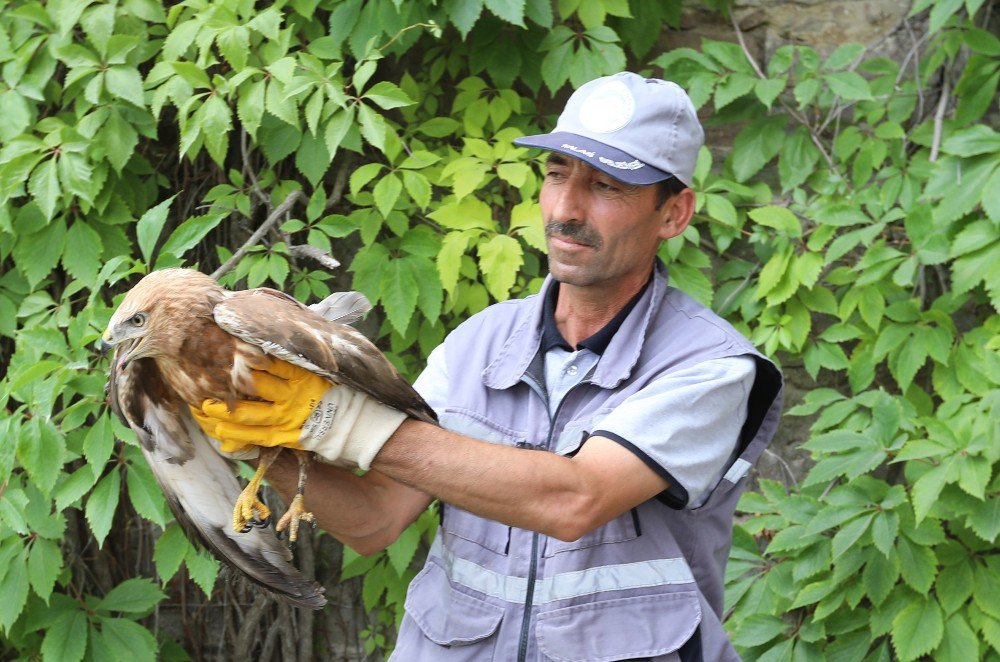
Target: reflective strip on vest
(565,585)
(738,470)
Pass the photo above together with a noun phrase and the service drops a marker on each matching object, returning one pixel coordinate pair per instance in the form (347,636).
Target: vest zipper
(529,596)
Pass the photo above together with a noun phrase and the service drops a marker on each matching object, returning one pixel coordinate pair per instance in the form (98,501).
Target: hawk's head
(156,314)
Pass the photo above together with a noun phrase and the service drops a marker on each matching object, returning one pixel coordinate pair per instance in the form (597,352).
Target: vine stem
(791,111)
(255,238)
(939,118)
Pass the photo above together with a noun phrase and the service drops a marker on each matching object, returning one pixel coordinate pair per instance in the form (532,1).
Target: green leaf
(125,83)
(74,486)
(40,450)
(418,187)
(757,143)
(373,127)
(234,44)
(849,85)
(402,551)
(954,586)
(44,566)
(101,505)
(148,228)
(500,258)
(119,139)
(133,596)
(917,564)
(128,640)
(844,56)
(387,192)
(202,568)
(190,232)
(170,549)
(398,293)
(511,11)
(14,589)
(449,259)
(144,493)
(387,95)
(917,629)
(66,638)
(82,255)
(959,641)
(44,187)
(313,158)
(215,119)
(98,444)
(759,629)
(849,534)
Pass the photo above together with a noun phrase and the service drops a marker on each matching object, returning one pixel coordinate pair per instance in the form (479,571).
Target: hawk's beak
(104,343)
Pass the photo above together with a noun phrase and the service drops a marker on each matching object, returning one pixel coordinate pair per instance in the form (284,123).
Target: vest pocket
(472,528)
(620,629)
(450,619)
(620,529)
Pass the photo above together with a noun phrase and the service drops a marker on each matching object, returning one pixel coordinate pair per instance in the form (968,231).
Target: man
(595,437)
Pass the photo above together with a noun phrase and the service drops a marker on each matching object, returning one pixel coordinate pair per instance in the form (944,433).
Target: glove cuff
(349,428)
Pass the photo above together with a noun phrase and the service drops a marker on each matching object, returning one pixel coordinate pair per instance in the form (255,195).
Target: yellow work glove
(303,411)
(289,396)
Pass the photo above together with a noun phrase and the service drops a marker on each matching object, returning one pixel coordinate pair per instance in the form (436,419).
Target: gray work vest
(637,587)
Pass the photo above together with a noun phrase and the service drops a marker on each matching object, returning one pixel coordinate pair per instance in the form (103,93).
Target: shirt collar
(597,343)
(510,362)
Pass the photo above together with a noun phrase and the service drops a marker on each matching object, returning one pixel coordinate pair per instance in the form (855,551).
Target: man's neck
(583,311)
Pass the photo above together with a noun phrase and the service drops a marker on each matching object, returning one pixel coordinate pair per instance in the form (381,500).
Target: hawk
(180,338)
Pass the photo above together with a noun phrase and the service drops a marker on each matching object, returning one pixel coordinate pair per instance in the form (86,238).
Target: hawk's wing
(199,484)
(288,330)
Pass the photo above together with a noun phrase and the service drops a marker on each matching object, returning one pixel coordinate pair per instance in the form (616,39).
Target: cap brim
(613,162)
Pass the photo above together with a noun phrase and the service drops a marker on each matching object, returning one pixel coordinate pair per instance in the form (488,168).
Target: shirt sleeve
(686,425)
(432,384)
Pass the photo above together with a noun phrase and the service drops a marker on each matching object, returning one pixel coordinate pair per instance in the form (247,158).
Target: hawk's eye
(138,319)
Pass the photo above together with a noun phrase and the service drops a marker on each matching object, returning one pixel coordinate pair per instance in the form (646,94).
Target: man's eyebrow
(554,158)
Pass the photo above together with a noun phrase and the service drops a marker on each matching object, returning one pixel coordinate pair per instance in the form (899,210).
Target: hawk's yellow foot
(249,509)
(296,511)
(290,520)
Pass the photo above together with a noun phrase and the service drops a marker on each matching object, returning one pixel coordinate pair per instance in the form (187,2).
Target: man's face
(599,230)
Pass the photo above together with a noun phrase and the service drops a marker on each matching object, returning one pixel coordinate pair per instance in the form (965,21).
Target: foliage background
(853,231)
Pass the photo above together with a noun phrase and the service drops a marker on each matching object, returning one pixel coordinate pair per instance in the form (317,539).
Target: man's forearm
(529,489)
(366,513)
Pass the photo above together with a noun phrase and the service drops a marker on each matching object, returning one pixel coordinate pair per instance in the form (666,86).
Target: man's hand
(302,411)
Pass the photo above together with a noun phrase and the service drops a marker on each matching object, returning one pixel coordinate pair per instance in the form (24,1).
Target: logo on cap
(608,108)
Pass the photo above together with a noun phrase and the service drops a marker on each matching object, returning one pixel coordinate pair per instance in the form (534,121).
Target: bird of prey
(180,339)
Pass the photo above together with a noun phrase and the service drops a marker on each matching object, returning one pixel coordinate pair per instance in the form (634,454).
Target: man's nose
(567,203)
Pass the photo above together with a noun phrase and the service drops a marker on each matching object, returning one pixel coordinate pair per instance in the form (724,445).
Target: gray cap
(637,130)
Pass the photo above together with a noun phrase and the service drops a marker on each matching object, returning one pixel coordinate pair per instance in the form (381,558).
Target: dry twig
(255,238)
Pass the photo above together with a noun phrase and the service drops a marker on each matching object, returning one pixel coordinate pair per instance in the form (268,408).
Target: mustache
(578,232)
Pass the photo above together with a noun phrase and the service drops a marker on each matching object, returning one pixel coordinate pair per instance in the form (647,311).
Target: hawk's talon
(249,510)
(290,520)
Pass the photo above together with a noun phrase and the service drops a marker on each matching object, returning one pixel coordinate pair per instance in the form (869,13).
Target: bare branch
(250,627)
(318,254)
(248,169)
(743,45)
(339,183)
(255,238)
(939,117)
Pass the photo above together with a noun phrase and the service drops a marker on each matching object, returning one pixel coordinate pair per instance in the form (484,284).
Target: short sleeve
(432,384)
(686,425)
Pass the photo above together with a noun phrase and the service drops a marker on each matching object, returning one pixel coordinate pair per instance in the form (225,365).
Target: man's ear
(678,209)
